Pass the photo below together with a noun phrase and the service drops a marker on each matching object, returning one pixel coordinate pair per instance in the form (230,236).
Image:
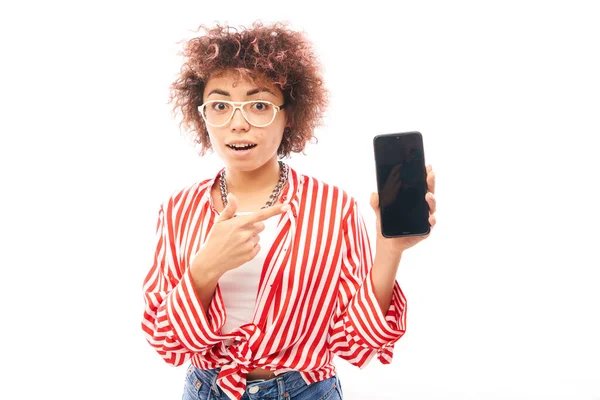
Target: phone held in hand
(401,184)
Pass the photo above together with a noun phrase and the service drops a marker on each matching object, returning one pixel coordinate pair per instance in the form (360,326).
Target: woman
(262,319)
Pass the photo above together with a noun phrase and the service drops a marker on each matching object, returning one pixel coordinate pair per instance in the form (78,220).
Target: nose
(238,122)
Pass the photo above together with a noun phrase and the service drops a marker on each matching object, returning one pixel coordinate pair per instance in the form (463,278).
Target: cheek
(216,142)
(213,136)
(272,138)
(276,140)
(277,134)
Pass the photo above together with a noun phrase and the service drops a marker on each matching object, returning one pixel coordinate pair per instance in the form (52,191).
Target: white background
(502,298)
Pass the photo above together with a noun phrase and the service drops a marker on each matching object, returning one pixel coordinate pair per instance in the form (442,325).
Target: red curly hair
(271,55)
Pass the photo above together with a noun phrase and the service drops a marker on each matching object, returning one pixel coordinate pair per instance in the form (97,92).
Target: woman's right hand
(232,241)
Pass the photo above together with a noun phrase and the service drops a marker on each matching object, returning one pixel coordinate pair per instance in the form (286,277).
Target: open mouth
(240,147)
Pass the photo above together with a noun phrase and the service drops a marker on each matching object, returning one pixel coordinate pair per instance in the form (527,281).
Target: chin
(249,164)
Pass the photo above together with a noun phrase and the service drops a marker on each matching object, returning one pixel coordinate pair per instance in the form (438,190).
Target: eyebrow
(248,93)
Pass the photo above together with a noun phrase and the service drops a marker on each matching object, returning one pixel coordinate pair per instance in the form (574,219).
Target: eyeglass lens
(256,113)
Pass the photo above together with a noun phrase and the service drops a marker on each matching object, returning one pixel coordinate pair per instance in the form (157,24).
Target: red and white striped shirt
(315,297)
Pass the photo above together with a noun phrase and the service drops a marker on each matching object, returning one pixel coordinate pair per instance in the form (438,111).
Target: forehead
(234,81)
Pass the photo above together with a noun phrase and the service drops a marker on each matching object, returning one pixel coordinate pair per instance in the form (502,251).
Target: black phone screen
(401,184)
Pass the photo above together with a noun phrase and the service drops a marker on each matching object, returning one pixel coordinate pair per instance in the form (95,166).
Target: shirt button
(253,390)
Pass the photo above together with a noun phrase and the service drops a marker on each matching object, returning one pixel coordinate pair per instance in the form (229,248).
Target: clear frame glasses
(258,113)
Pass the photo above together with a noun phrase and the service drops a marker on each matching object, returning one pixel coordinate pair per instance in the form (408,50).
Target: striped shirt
(315,297)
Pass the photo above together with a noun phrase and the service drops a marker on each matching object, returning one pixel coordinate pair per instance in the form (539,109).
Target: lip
(239,153)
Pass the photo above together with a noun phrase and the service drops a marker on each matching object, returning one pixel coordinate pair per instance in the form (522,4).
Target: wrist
(204,274)
(383,246)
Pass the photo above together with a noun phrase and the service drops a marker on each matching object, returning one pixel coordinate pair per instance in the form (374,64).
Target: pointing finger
(267,213)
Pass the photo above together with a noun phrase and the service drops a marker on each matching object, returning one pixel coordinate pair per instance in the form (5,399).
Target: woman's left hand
(399,244)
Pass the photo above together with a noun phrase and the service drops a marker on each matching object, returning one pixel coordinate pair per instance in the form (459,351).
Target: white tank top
(239,286)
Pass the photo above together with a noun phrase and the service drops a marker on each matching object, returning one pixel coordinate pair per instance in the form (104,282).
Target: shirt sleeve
(359,329)
(174,321)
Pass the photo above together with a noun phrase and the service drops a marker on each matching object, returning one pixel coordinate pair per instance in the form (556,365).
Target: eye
(261,106)
(218,106)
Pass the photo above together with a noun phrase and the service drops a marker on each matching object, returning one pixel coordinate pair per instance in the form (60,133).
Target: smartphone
(401,184)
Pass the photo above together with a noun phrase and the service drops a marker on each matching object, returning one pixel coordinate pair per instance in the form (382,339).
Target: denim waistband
(290,382)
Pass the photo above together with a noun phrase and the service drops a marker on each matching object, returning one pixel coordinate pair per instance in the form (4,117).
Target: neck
(264,177)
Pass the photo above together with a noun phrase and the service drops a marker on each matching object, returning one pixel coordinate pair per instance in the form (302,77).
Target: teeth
(241,146)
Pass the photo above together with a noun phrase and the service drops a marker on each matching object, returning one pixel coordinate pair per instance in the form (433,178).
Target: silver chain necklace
(283,176)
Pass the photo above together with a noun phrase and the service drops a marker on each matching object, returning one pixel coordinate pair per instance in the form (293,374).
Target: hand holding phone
(401,184)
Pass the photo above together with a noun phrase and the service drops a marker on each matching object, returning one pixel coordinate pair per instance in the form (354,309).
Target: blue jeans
(201,385)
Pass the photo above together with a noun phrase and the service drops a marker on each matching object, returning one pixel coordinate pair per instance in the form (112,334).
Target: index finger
(267,213)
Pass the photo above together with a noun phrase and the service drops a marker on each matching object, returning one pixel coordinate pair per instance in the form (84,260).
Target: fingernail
(286,208)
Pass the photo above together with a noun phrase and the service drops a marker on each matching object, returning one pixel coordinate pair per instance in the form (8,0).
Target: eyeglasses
(258,113)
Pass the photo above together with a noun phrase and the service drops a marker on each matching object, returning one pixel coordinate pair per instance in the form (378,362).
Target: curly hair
(271,54)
